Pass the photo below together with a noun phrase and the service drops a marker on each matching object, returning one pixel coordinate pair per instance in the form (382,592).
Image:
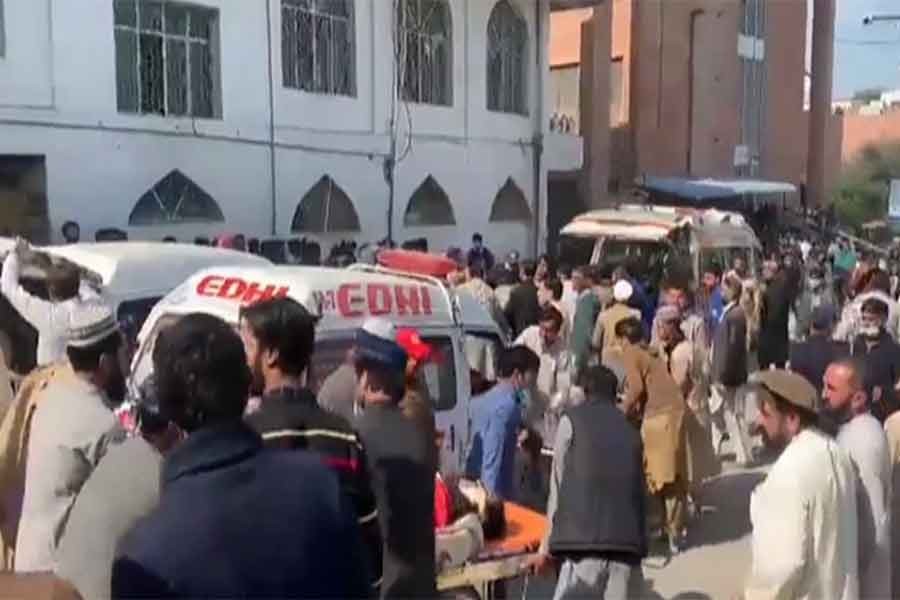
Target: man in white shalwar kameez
(805,525)
(863,438)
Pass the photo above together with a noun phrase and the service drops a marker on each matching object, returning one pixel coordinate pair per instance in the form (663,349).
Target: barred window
(429,205)
(510,204)
(175,199)
(425,51)
(325,208)
(166,58)
(318,46)
(507,65)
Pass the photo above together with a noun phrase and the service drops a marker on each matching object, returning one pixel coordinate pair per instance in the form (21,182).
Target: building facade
(324,119)
(702,88)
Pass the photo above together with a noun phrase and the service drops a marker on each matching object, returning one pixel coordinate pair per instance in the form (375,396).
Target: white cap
(380,328)
(622,291)
(90,322)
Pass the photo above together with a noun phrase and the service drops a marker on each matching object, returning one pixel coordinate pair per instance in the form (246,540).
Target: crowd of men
(185,487)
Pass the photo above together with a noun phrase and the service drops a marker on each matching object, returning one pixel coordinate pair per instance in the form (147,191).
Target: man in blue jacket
(234,520)
(497,420)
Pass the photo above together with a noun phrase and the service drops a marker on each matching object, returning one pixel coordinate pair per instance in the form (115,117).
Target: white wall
(58,99)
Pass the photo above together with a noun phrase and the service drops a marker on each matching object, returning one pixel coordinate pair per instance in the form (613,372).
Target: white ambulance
(345,298)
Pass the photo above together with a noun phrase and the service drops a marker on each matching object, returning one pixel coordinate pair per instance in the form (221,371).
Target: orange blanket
(524,531)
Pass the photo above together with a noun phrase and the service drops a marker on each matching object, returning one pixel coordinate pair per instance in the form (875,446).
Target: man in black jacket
(597,507)
(523,308)
(812,357)
(875,347)
(279,336)
(234,520)
(729,372)
(777,300)
(401,461)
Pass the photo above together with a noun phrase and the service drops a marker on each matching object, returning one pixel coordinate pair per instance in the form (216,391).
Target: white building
(277,117)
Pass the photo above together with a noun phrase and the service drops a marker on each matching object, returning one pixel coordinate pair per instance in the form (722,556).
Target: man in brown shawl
(653,398)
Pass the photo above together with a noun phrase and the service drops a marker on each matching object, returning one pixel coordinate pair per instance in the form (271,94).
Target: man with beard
(805,524)
(774,316)
(72,427)
(279,336)
(881,355)
(862,437)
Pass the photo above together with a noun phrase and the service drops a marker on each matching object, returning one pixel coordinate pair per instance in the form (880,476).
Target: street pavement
(717,560)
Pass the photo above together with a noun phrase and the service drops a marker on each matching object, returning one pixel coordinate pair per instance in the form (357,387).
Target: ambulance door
(446,379)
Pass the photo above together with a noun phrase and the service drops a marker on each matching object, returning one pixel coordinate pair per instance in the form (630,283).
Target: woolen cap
(789,386)
(90,323)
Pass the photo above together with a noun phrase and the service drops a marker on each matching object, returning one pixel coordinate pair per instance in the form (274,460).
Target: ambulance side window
(438,377)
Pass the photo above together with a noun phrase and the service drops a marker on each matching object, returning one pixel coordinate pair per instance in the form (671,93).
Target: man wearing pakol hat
(863,438)
(804,514)
(122,489)
(605,338)
(73,426)
(401,463)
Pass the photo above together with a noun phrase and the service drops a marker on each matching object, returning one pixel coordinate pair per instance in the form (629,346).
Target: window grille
(325,208)
(429,205)
(510,204)
(425,51)
(507,63)
(318,46)
(166,58)
(175,199)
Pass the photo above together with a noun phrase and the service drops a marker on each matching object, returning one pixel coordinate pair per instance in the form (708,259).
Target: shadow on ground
(726,509)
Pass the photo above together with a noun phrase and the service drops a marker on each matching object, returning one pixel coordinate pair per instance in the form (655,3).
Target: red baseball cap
(409,340)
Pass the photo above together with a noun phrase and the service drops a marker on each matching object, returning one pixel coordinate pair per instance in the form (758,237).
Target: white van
(344,298)
(130,276)
(659,242)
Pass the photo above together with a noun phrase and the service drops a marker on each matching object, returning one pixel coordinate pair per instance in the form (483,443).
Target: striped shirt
(290,418)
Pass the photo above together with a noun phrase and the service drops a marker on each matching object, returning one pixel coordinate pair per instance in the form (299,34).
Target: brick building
(706,88)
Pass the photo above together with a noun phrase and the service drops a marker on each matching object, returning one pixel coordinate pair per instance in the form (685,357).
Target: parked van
(130,276)
(344,299)
(657,242)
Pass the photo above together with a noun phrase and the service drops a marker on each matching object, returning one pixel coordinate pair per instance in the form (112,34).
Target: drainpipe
(537,145)
(272,175)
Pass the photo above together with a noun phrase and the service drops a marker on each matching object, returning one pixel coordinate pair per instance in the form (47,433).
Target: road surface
(717,560)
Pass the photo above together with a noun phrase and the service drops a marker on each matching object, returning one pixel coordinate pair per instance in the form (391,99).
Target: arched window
(429,205)
(318,46)
(507,63)
(325,208)
(175,199)
(510,204)
(425,51)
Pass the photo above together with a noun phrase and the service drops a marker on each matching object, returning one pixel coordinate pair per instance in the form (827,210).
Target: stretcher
(506,558)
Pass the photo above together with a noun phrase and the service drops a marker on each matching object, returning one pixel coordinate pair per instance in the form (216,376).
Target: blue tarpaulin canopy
(713,189)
